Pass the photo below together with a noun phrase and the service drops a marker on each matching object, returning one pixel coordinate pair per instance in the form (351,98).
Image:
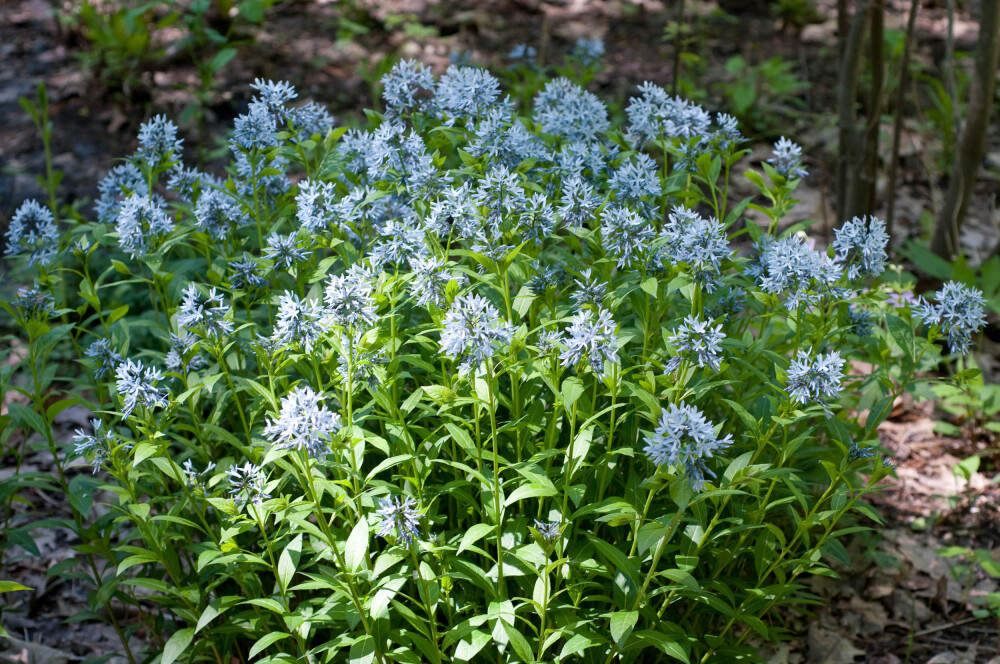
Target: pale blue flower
(300,322)
(538,219)
(566,110)
(685,439)
(316,205)
(501,193)
(247,484)
(120,182)
(206,313)
(350,302)
(303,423)
(549,530)
(591,334)
(399,242)
(815,379)
(406,86)
(861,243)
(505,140)
(473,332)
(136,385)
(273,95)
(100,445)
(183,356)
(727,132)
(960,313)
(395,155)
(544,278)
(656,115)
(588,52)
(789,266)
(466,92)
(578,203)
(637,178)
(399,514)
(141,221)
(455,212)
(197,479)
(698,342)
(589,292)
(34,303)
(861,321)
(626,235)
(523,52)
(256,129)
(699,242)
(787,159)
(158,141)
(217,212)
(576,158)
(429,279)
(187,182)
(33,231)
(308,120)
(246,274)
(285,251)
(104,356)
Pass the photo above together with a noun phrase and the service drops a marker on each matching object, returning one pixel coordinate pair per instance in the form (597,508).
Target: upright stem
(501,586)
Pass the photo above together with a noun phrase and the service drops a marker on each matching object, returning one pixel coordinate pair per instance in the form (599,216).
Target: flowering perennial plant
(489,380)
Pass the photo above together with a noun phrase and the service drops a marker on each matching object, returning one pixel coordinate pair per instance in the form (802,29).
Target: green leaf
(81,493)
(222,58)
(289,560)
(363,651)
(462,437)
(440,394)
(252,10)
(357,546)
(142,452)
(27,417)
(474,534)
(649,286)
(528,491)
(518,642)
(572,389)
(176,645)
(622,624)
(11,587)
(216,607)
(265,641)
(117,313)
(469,646)
(737,464)
(576,645)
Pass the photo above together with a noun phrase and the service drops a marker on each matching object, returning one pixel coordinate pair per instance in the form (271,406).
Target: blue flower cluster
(959,313)
(685,439)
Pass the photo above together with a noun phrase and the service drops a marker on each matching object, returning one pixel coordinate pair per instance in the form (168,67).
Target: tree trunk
(850,156)
(876,45)
(897,121)
(973,144)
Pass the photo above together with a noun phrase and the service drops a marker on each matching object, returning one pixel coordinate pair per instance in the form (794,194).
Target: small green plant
(125,43)
(120,42)
(941,110)
(966,572)
(38,110)
(765,95)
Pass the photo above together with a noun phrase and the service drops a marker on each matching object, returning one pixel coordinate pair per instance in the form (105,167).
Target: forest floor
(903,601)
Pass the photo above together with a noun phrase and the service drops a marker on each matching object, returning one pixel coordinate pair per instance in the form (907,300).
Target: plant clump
(468,383)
